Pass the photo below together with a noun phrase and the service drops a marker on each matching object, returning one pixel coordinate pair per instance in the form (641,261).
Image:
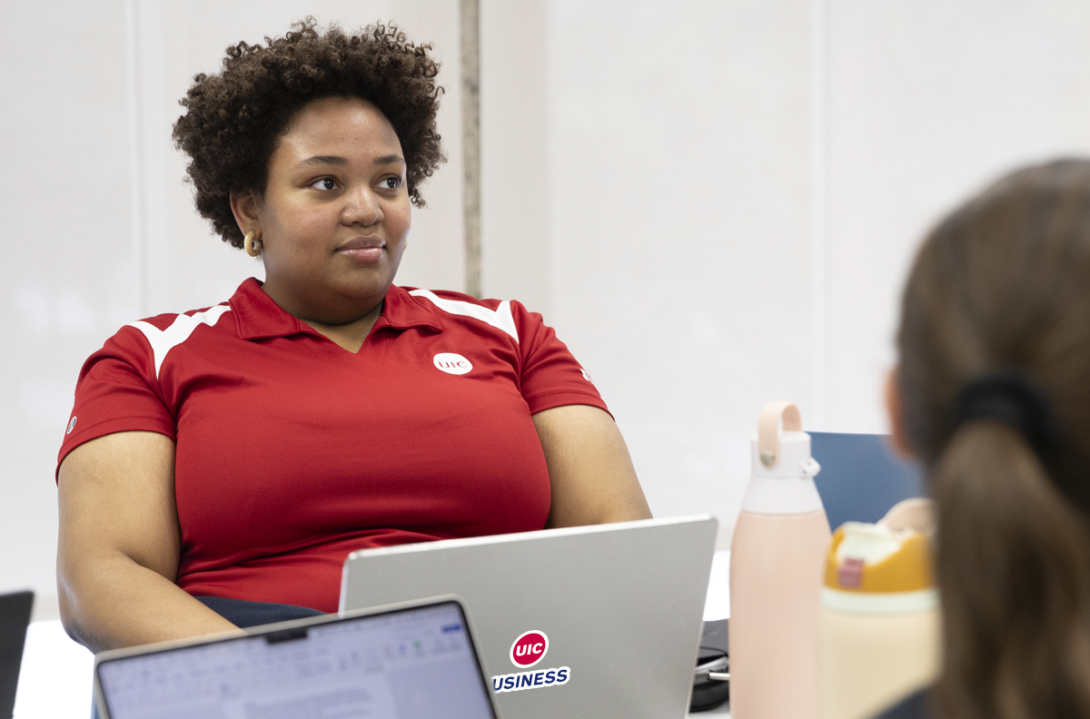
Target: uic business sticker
(528,649)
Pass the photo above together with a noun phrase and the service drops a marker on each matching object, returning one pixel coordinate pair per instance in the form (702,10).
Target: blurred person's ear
(894,406)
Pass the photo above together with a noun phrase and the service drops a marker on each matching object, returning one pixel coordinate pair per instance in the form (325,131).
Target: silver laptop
(598,622)
(411,661)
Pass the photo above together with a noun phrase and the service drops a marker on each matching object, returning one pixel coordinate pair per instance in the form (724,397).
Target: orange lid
(874,558)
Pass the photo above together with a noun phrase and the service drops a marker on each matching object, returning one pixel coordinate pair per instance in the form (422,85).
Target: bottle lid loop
(768,430)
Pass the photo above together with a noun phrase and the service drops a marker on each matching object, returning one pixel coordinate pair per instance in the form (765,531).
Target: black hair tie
(1015,400)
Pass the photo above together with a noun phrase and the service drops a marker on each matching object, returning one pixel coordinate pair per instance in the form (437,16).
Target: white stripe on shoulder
(500,318)
(163,341)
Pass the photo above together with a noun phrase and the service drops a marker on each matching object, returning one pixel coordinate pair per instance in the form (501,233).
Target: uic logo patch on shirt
(451,363)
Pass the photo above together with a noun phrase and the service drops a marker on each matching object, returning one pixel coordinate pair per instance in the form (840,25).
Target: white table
(55,680)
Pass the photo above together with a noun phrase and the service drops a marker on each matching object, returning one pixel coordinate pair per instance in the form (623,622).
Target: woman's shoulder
(177,322)
(446,296)
(508,316)
(184,321)
(157,334)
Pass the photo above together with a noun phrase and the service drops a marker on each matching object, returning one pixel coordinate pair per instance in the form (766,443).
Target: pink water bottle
(776,562)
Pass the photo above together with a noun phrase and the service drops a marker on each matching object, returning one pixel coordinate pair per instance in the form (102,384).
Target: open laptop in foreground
(408,661)
(601,621)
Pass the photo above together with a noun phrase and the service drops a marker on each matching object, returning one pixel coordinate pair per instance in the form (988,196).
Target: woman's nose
(361,207)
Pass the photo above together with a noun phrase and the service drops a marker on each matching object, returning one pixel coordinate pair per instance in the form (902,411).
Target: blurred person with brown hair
(992,394)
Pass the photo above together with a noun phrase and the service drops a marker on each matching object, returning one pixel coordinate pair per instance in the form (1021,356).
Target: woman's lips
(363,249)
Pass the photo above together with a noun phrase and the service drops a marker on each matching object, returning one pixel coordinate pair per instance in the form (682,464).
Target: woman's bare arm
(119,546)
(592,477)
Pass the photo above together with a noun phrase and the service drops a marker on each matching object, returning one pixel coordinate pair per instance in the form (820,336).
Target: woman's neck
(349,335)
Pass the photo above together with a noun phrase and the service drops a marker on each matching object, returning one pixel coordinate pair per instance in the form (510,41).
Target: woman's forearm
(111,601)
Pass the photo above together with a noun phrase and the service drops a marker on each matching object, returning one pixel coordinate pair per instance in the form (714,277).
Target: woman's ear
(895,408)
(244,207)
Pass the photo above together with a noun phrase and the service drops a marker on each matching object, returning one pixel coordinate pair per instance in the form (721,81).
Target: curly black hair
(235,119)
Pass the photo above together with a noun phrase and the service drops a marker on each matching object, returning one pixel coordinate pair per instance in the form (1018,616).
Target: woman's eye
(390,183)
(326,183)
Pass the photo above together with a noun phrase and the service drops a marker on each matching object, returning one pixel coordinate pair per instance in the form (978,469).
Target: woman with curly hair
(993,395)
(219,465)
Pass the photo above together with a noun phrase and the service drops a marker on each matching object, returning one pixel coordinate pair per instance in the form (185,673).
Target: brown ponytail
(1014,568)
(1003,284)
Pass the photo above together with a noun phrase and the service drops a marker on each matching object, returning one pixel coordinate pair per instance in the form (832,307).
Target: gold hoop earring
(253,246)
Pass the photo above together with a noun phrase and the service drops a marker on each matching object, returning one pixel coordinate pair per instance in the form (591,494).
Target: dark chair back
(860,477)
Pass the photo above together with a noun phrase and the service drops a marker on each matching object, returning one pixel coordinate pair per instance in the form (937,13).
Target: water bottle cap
(879,567)
(793,457)
(782,478)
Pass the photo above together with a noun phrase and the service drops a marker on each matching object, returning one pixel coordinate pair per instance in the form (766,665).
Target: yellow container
(879,630)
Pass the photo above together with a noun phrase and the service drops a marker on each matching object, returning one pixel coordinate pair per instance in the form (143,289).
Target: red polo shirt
(293,452)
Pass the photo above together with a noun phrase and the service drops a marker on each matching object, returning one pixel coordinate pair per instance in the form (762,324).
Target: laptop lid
(600,621)
(403,662)
(14,619)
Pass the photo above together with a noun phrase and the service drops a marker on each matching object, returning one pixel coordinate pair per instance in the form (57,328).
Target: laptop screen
(408,664)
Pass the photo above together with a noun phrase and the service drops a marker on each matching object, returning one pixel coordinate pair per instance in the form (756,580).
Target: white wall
(927,101)
(714,202)
(67,278)
(737,190)
(516,260)
(680,176)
